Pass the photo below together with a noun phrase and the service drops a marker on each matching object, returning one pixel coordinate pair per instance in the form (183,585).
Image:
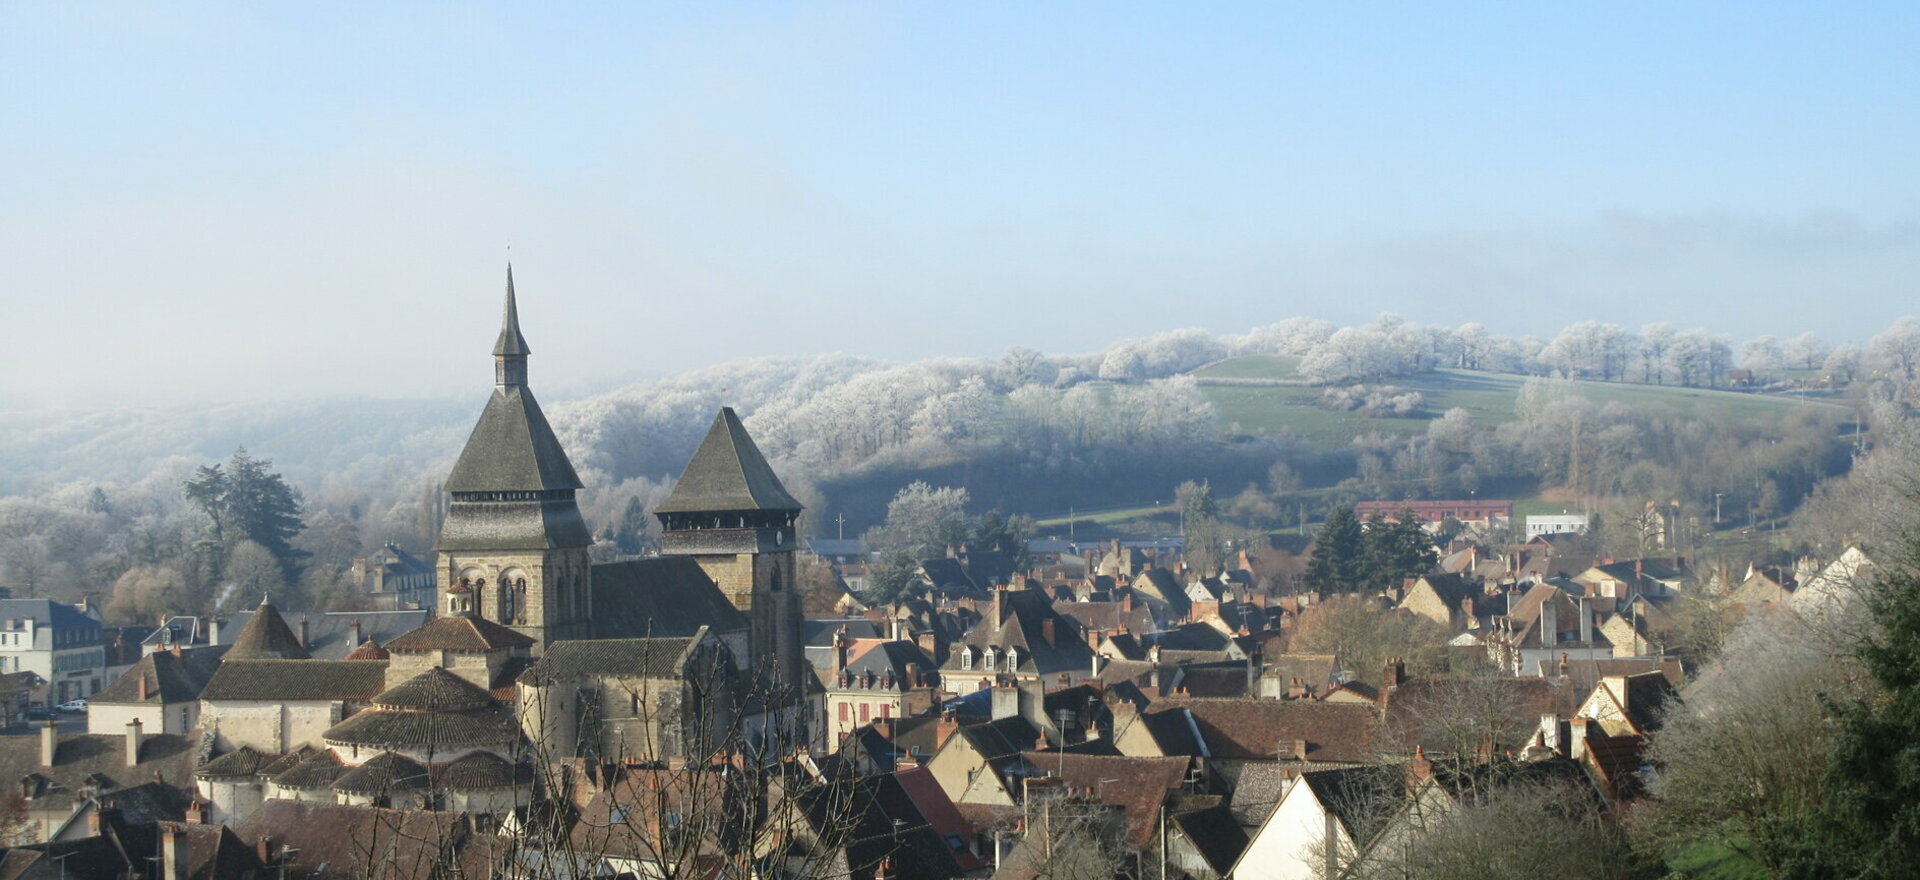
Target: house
(1469,512)
(1020,638)
(394,580)
(59,642)
(1653,578)
(1557,524)
(1445,599)
(1298,676)
(1319,827)
(162,690)
(884,680)
(61,778)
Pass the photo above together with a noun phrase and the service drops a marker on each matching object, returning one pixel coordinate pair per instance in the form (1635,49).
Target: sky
(250,201)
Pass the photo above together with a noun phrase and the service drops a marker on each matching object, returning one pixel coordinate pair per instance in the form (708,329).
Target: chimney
(1006,701)
(1097,658)
(143,686)
(884,727)
(1126,601)
(1549,620)
(1550,731)
(173,854)
(264,849)
(997,593)
(213,630)
(943,730)
(49,744)
(842,646)
(135,736)
(1577,739)
(905,760)
(353,634)
(197,812)
(1046,631)
(1419,769)
(1296,690)
(1395,672)
(304,641)
(1586,619)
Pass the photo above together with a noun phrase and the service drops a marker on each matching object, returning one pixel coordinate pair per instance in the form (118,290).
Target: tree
(1519,830)
(1006,534)
(1362,636)
(1395,551)
(1871,822)
(890,579)
(146,592)
(921,521)
(1337,564)
(252,571)
(245,501)
(633,527)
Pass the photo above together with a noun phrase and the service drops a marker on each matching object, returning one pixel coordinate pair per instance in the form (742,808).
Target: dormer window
(966,658)
(1013,659)
(991,656)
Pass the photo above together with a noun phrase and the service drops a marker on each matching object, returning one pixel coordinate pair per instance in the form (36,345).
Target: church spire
(510,351)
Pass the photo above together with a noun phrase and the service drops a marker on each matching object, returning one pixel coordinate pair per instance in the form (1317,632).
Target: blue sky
(221,202)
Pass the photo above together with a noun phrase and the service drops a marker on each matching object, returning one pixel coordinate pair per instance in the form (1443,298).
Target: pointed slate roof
(512,448)
(728,472)
(266,637)
(511,343)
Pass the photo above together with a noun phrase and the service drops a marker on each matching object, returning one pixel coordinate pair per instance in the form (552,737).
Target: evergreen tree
(1870,826)
(244,501)
(1006,534)
(631,537)
(1398,550)
(1338,561)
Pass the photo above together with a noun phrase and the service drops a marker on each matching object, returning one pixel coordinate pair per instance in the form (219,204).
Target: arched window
(1013,659)
(966,658)
(991,656)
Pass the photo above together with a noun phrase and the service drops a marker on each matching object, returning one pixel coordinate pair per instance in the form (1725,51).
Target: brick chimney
(197,812)
(1395,672)
(143,687)
(944,729)
(1046,631)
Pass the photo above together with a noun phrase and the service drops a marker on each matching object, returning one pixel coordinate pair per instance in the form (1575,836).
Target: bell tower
(730,513)
(513,549)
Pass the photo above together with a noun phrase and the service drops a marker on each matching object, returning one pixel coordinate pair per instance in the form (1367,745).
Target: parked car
(38,713)
(74,706)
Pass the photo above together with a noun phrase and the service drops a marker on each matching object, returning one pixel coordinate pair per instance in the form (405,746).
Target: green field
(1257,366)
(1488,396)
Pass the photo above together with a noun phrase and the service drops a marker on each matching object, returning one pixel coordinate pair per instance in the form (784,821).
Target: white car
(73,706)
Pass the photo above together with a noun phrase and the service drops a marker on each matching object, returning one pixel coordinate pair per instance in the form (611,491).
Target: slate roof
(512,448)
(383,773)
(661,597)
(461,635)
(1023,616)
(266,636)
(1363,799)
(1110,617)
(1407,706)
(1313,670)
(350,680)
(331,635)
(1215,833)
(1136,785)
(169,679)
(384,728)
(319,770)
(340,842)
(894,657)
(435,690)
(1340,733)
(481,770)
(510,343)
(85,759)
(243,761)
(727,473)
(620,658)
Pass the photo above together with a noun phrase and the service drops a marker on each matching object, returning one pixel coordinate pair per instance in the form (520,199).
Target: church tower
(513,549)
(730,513)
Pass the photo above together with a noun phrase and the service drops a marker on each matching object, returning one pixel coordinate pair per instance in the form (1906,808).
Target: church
(537,656)
(514,551)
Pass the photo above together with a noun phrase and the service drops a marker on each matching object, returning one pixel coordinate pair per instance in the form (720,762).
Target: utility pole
(1716,507)
(841,521)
